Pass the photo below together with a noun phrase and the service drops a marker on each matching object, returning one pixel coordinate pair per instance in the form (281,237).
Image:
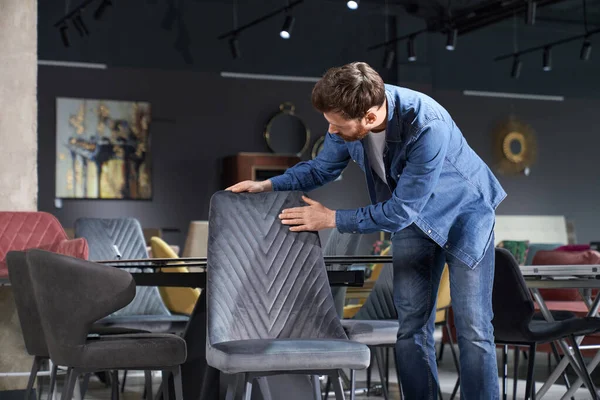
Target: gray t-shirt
(375,153)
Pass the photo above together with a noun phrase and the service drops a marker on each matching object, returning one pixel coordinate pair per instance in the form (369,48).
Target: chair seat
(130,351)
(372,333)
(543,331)
(146,323)
(267,355)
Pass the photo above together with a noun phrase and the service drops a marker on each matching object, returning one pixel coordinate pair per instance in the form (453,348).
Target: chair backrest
(27,310)
(340,244)
(27,230)
(443,298)
(72,294)
(110,238)
(264,281)
(512,302)
(380,303)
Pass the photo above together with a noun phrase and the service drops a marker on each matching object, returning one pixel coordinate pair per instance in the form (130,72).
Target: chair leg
(72,378)
(84,384)
(387,367)
(327,387)
(440,394)
(352,384)
(530,365)
(397,374)
(337,387)
(516,353)
(35,367)
(247,395)
(380,367)
(232,388)
(316,387)
(441,353)
(123,383)
(455,390)
(177,383)
(115,385)
(148,385)
(165,385)
(52,380)
(583,367)
(369,376)
(504,372)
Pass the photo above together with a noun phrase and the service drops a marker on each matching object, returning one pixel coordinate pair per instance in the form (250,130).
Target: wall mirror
(286,133)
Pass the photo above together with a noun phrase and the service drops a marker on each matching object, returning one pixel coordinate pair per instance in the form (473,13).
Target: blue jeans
(418,266)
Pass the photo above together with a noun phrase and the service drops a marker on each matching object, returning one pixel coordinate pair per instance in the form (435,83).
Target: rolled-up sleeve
(425,160)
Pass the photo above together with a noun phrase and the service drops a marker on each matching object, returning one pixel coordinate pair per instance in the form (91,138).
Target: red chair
(35,230)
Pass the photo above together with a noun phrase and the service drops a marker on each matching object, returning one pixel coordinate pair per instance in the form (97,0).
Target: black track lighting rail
(73,13)
(235,32)
(395,40)
(548,45)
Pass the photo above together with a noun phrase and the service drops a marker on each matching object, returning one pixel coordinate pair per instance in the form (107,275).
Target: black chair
(31,325)
(514,322)
(71,294)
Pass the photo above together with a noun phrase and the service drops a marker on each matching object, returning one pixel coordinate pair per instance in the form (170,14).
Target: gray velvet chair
(270,308)
(71,294)
(29,319)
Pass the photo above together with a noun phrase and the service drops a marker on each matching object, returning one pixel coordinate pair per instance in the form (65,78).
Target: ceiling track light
(352,4)
(547,59)
(531,10)
(99,13)
(80,25)
(234,47)
(286,29)
(389,57)
(515,72)
(451,39)
(64,36)
(410,49)
(586,50)
(281,10)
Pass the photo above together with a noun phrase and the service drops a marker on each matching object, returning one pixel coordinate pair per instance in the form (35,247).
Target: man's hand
(313,217)
(251,187)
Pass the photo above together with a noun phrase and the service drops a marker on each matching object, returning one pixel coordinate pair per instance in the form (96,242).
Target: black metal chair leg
(317,387)
(516,352)
(504,372)
(379,361)
(583,367)
(352,384)
(115,385)
(70,385)
(52,380)
(124,380)
(337,386)
(35,367)
(327,387)
(558,359)
(530,366)
(369,375)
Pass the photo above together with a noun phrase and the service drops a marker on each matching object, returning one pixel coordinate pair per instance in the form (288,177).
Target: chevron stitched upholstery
(126,233)
(28,230)
(380,303)
(269,302)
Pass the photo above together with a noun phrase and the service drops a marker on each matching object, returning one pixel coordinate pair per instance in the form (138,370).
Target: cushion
(372,333)
(143,350)
(535,247)
(288,355)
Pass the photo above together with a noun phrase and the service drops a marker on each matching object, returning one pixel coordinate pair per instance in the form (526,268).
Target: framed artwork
(103,149)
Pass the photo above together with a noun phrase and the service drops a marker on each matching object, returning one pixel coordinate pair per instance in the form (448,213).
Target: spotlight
(63,34)
(547,59)
(586,50)
(234,47)
(516,68)
(388,58)
(80,26)
(101,9)
(286,30)
(412,55)
(451,41)
(531,7)
(353,4)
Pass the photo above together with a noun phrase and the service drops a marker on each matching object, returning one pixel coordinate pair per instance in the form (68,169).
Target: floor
(447,376)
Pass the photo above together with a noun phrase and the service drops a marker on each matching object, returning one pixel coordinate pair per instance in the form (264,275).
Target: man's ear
(370,118)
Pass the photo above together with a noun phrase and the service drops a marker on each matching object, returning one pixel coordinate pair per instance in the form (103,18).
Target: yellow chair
(180,300)
(361,294)
(443,297)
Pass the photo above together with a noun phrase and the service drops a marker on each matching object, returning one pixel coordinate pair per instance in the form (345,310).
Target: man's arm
(309,175)
(416,184)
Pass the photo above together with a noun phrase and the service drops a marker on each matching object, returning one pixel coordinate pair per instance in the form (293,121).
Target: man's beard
(355,137)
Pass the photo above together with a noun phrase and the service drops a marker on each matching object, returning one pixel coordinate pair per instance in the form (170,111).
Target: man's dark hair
(350,90)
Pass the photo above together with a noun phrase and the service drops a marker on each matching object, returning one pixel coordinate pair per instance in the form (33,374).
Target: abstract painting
(103,149)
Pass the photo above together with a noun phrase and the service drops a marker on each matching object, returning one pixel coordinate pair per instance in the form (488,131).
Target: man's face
(348,129)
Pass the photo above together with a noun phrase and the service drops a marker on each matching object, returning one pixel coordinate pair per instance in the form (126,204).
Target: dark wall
(200,117)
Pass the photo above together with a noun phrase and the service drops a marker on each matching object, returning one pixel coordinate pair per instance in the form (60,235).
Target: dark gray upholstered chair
(340,244)
(111,239)
(270,308)
(29,318)
(71,294)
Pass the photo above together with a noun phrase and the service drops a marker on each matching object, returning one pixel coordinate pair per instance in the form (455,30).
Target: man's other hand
(251,187)
(313,217)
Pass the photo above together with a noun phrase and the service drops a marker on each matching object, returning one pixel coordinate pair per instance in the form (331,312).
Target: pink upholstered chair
(39,230)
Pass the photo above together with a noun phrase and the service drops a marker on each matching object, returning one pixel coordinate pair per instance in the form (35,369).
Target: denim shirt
(434,179)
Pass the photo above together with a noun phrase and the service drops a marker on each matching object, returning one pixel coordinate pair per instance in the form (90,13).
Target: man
(435,195)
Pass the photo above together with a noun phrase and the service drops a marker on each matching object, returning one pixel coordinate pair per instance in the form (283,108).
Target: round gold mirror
(286,133)
(318,146)
(515,147)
